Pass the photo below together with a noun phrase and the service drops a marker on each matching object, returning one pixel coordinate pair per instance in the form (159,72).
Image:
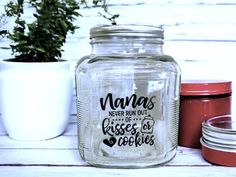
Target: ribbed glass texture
(127,98)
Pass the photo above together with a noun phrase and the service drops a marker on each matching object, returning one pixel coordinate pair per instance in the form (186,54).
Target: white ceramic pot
(35,99)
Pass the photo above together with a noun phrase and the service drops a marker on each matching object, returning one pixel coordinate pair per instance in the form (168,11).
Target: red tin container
(199,101)
(219,141)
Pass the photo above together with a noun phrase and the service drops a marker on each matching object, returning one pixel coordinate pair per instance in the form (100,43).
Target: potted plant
(36,85)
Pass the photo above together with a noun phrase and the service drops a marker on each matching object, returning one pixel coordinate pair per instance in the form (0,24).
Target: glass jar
(127,98)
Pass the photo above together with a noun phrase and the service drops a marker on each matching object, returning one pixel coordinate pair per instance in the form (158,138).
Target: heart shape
(110,142)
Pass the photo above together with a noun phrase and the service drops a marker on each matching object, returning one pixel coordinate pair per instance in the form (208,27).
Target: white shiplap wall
(199,34)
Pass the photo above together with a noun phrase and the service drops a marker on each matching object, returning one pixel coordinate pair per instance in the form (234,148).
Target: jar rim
(221,124)
(128,30)
(205,87)
(220,131)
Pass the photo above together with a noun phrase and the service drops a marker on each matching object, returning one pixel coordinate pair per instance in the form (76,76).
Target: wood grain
(48,171)
(198,34)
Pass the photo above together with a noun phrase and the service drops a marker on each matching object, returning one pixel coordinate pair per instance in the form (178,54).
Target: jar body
(113,101)
(128,108)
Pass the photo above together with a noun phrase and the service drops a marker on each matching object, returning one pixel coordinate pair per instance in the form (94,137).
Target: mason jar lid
(127,30)
(219,140)
(205,87)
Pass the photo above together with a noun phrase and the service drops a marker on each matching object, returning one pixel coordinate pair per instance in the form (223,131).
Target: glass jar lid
(127,31)
(219,140)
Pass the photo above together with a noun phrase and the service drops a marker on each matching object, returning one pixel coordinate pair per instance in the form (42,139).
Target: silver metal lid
(127,31)
(220,133)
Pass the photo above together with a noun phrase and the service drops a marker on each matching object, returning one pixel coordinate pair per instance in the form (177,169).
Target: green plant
(2,23)
(42,39)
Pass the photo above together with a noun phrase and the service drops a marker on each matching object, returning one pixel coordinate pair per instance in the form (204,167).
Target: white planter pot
(35,99)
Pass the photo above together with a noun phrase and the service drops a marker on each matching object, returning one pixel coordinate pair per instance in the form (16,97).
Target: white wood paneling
(199,34)
(90,171)
(194,29)
(193,21)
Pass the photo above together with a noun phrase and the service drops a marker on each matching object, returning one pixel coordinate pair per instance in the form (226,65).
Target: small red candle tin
(199,101)
(219,141)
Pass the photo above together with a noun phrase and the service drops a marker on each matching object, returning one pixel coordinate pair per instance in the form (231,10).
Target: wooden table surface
(60,157)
